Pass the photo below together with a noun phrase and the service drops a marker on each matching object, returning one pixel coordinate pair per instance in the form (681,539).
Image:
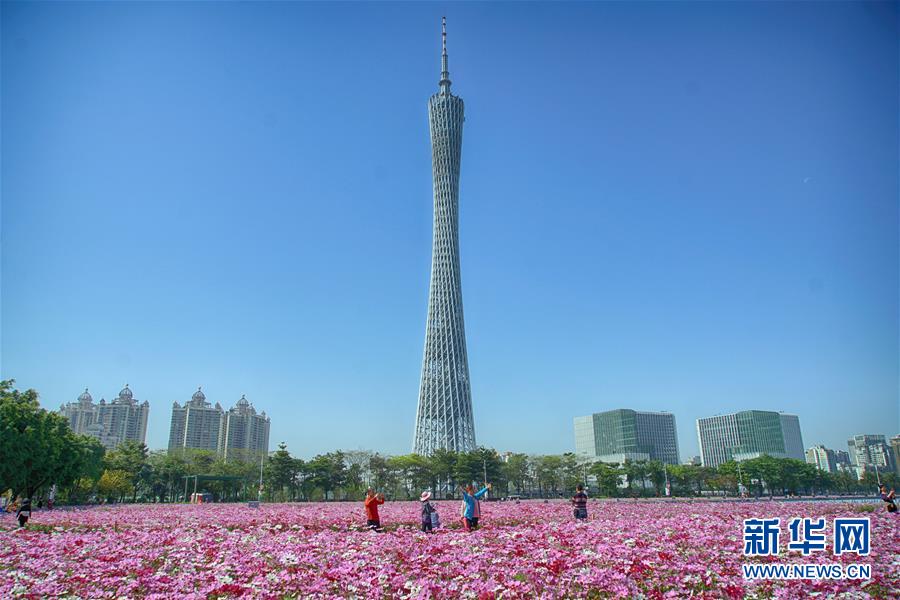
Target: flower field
(532,549)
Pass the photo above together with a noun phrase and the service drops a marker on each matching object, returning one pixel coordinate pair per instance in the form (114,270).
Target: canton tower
(444,415)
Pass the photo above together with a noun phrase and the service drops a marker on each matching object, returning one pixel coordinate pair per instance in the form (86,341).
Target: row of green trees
(346,475)
(40,450)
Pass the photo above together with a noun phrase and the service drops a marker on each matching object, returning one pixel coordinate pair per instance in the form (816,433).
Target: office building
(793,439)
(623,434)
(748,434)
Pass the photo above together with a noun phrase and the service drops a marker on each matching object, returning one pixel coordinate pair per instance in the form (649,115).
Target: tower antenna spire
(445,70)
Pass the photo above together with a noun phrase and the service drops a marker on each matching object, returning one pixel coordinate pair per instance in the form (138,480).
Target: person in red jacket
(373,521)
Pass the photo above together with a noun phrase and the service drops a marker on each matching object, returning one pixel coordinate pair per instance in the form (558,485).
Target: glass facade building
(749,434)
(616,435)
(793,439)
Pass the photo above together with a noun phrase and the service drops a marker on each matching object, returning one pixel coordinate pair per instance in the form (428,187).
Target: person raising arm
(373,520)
(471,507)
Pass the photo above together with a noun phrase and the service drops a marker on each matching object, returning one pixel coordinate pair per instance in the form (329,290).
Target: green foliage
(326,472)
(115,484)
(608,477)
(38,447)
(517,471)
(281,473)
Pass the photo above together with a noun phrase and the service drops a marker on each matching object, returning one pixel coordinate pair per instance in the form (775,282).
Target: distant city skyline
(655,429)
(681,207)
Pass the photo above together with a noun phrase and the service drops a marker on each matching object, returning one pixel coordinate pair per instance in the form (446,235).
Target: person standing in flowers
(373,521)
(471,508)
(24,512)
(579,502)
(429,513)
(889,499)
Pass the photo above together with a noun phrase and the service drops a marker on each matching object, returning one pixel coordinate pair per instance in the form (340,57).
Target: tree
(92,454)
(634,471)
(327,472)
(357,461)
(443,467)
(130,457)
(168,474)
(115,484)
(491,468)
(353,483)
(414,473)
(281,472)
(37,446)
(547,473)
(382,475)
(571,473)
(608,477)
(516,471)
(476,466)
(657,475)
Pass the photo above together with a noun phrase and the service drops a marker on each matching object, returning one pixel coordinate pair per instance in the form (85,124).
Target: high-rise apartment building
(842,460)
(870,451)
(197,425)
(237,434)
(624,434)
(246,432)
(823,458)
(749,434)
(110,422)
(444,416)
(82,414)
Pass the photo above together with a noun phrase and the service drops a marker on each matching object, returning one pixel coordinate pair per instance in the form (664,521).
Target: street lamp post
(259,494)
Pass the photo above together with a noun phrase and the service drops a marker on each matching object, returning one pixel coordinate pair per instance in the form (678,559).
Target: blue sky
(689,207)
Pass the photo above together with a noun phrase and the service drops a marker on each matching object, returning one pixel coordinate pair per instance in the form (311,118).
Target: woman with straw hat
(429,513)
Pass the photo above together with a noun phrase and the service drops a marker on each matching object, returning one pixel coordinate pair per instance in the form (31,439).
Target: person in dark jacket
(579,502)
(428,512)
(24,512)
(889,498)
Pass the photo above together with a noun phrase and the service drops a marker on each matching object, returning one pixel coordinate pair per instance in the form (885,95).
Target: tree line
(40,450)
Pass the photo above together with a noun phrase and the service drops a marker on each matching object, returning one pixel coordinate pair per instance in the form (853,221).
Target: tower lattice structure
(444,416)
